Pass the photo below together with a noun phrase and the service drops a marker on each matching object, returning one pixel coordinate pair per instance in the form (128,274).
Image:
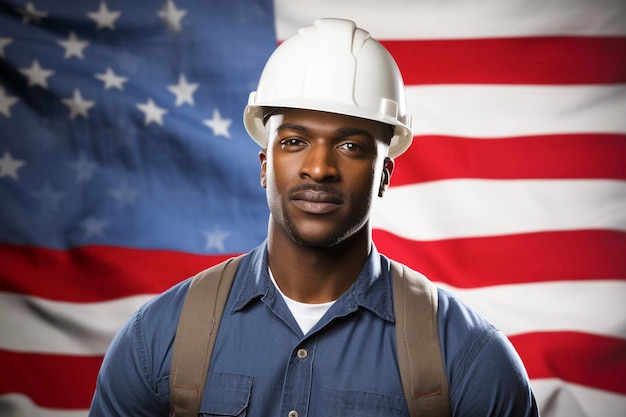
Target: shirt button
(302,353)
(293,413)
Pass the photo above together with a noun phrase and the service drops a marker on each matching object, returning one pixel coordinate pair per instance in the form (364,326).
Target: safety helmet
(335,67)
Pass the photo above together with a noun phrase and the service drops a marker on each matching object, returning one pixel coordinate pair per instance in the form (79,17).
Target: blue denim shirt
(263,365)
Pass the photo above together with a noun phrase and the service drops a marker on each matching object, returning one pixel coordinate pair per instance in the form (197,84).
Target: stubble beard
(334,238)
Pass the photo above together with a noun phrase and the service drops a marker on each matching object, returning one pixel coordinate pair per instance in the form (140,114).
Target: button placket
(297,383)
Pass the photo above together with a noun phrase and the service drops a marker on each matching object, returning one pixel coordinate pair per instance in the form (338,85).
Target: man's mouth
(316,200)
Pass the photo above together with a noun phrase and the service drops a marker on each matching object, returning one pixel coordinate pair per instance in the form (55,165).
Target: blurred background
(125,168)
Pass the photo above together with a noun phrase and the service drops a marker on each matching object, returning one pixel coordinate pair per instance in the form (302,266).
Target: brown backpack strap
(195,336)
(419,351)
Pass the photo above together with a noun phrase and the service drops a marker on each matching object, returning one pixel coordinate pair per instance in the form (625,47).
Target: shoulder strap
(419,351)
(195,336)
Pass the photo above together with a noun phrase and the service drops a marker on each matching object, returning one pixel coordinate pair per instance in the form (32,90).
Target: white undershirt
(307,315)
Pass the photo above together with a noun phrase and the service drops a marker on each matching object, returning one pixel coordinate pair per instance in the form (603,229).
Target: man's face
(322,172)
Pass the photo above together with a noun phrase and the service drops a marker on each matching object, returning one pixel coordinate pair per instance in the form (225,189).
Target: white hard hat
(335,67)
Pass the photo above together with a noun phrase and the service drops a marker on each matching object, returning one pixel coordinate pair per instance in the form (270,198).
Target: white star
(31,14)
(6,102)
(104,18)
(124,194)
(93,226)
(111,80)
(49,198)
(77,105)
(3,43)
(153,112)
(37,75)
(84,168)
(183,91)
(215,239)
(220,126)
(73,46)
(9,166)
(172,16)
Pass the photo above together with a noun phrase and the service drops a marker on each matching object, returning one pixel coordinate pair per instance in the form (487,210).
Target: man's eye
(351,147)
(290,142)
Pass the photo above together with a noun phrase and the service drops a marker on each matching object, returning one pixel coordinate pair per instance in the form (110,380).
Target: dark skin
(322,172)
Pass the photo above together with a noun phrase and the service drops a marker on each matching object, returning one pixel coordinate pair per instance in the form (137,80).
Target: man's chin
(319,240)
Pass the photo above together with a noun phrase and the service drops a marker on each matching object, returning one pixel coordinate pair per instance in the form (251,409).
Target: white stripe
(470,208)
(18,405)
(32,324)
(488,111)
(401,19)
(594,307)
(557,398)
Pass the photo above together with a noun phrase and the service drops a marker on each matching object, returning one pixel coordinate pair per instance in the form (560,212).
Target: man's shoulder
(482,365)
(460,316)
(453,312)
(459,323)
(466,335)
(160,314)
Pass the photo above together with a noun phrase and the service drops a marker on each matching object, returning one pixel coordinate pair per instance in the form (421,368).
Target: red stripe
(556,156)
(54,381)
(95,273)
(522,258)
(58,381)
(579,358)
(525,60)
(99,273)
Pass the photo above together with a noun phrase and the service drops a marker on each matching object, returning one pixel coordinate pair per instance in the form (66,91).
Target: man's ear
(388,166)
(263,159)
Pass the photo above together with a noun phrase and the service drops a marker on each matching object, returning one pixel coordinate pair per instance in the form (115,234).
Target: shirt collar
(372,290)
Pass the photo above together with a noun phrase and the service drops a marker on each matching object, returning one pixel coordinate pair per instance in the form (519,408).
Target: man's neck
(312,274)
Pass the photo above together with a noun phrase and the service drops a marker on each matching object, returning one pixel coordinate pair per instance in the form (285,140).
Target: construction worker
(309,327)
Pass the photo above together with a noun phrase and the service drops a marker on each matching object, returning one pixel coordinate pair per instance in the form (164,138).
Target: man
(309,326)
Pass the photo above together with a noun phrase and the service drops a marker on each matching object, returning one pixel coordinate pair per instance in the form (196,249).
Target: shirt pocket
(226,395)
(346,403)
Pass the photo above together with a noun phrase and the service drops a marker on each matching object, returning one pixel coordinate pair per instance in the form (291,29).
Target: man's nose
(320,163)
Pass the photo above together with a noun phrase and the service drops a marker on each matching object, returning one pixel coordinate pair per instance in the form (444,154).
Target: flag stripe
(592,254)
(18,405)
(432,158)
(594,361)
(561,399)
(95,273)
(37,376)
(513,259)
(581,308)
(546,60)
(401,19)
(594,307)
(591,353)
(473,208)
(495,111)
(93,324)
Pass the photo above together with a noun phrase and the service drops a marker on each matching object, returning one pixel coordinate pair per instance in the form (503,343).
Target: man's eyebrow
(354,131)
(342,132)
(289,126)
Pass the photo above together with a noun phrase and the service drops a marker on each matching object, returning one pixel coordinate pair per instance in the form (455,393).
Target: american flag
(125,168)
